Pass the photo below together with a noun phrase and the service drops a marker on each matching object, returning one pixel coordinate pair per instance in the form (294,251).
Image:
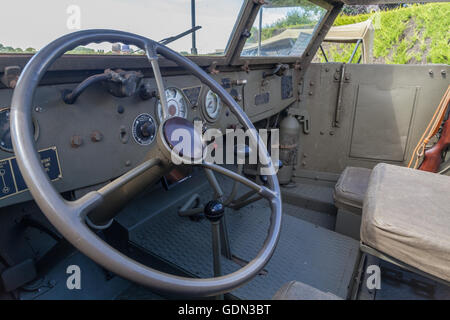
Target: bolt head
(96,136)
(76,141)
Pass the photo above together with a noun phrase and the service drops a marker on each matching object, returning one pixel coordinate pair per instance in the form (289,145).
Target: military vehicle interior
(86,180)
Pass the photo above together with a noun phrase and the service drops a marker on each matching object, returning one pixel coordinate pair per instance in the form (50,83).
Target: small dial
(176,104)
(213,105)
(5,132)
(144,129)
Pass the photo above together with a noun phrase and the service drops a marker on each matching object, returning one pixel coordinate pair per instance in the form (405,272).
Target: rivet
(96,136)
(76,141)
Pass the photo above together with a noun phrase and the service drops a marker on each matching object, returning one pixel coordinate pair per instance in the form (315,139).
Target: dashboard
(101,136)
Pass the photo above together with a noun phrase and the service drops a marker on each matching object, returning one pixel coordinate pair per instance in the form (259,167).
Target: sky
(36,23)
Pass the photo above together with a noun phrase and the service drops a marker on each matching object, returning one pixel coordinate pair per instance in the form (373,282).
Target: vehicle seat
(295,290)
(349,194)
(406,216)
(351,188)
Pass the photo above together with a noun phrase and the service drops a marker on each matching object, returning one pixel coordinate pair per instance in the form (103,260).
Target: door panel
(382,122)
(383,111)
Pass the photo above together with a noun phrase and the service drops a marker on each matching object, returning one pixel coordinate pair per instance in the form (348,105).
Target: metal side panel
(383,111)
(316,256)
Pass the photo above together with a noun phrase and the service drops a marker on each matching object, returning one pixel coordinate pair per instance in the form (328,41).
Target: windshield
(30,25)
(283,28)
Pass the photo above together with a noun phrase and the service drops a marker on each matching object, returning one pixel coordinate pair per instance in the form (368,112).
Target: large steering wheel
(68,217)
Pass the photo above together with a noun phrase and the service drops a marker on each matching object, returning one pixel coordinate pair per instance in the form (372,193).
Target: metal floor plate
(306,252)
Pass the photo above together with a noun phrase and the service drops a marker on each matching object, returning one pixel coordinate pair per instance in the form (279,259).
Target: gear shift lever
(214,211)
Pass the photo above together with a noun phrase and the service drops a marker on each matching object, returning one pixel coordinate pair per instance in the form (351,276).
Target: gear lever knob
(214,210)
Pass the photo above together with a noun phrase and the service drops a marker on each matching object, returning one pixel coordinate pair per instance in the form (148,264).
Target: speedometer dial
(176,104)
(212,105)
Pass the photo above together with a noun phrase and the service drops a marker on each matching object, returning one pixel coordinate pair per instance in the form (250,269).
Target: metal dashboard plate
(11,180)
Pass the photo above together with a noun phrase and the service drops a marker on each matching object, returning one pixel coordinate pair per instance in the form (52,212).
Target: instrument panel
(101,136)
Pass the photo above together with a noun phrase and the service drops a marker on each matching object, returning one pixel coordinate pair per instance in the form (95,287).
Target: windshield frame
(237,59)
(232,54)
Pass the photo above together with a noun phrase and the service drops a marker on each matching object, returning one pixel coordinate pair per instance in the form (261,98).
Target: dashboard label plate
(192,94)
(11,180)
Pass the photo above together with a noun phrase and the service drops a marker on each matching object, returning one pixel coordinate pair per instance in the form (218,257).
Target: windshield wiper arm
(168,40)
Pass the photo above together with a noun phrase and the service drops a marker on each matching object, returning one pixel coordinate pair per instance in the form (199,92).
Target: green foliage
(9,49)
(402,35)
(294,19)
(81,50)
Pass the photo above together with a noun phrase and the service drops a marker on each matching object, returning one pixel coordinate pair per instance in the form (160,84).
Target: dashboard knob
(214,210)
(146,129)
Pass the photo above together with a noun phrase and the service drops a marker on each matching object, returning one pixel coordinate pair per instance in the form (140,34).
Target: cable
(431,130)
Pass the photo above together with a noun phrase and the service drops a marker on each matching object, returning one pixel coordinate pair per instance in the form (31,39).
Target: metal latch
(303,118)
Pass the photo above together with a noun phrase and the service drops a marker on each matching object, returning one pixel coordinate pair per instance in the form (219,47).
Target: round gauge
(212,105)
(176,104)
(5,132)
(144,129)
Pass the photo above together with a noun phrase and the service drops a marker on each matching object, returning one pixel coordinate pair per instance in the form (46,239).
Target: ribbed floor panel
(307,253)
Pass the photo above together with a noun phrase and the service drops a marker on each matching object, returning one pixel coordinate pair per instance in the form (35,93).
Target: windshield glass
(283,28)
(29,25)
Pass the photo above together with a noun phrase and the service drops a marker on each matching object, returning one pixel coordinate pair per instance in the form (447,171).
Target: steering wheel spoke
(259,189)
(82,206)
(153,58)
(89,201)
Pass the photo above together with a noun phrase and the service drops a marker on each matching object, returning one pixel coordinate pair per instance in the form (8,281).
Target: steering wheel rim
(68,216)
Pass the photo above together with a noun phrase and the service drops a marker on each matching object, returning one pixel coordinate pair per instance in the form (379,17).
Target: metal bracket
(279,70)
(338,108)
(213,68)
(246,66)
(10,76)
(337,76)
(246,33)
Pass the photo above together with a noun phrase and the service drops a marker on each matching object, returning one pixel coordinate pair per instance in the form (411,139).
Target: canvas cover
(406,215)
